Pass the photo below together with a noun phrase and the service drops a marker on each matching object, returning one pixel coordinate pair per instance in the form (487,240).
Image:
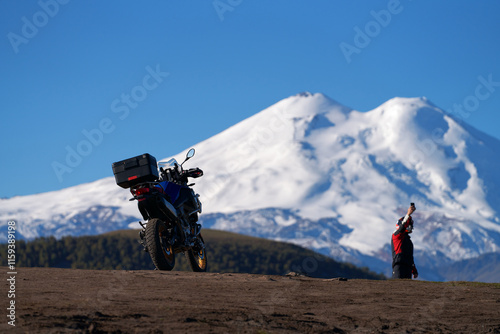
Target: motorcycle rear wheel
(159,248)
(197,256)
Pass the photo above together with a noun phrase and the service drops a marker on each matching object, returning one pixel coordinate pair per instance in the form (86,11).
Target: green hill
(226,252)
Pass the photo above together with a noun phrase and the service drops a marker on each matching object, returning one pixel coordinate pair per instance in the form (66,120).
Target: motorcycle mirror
(189,155)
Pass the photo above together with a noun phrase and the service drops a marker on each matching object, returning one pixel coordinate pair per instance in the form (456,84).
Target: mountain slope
(485,268)
(310,171)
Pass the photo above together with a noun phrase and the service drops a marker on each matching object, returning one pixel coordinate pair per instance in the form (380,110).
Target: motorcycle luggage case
(139,169)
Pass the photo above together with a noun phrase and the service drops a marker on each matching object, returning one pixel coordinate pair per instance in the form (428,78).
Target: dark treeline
(226,252)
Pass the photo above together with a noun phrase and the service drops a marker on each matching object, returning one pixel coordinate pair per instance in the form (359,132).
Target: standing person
(402,247)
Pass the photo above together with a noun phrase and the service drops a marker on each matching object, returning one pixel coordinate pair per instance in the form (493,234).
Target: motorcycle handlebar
(173,174)
(194,172)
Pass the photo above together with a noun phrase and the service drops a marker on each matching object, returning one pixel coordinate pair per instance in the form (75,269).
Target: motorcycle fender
(146,210)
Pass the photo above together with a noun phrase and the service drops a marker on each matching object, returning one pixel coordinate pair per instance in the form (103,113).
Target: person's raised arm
(411,209)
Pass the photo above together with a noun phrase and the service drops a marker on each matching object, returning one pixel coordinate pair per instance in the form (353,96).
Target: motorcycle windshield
(168,164)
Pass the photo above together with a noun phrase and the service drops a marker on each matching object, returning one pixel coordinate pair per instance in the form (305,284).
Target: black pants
(401,270)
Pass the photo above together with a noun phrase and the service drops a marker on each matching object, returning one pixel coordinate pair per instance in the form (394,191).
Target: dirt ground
(50,300)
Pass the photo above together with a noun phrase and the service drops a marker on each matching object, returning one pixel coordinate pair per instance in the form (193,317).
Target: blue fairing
(171,189)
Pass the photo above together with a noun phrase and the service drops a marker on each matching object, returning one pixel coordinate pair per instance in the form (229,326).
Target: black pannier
(139,169)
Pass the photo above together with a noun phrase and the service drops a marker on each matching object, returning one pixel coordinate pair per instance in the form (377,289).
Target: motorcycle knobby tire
(197,256)
(159,248)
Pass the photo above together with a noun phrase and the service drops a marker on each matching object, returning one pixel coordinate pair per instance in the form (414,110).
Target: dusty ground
(64,300)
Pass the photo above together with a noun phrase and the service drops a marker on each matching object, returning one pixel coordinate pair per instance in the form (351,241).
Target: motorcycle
(169,206)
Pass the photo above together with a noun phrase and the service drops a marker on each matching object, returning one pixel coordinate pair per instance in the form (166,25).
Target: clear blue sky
(160,76)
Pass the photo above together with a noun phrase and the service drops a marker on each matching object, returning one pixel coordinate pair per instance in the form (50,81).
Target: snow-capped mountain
(310,171)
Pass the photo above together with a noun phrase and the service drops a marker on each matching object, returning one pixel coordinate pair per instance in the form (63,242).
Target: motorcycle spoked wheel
(197,256)
(160,250)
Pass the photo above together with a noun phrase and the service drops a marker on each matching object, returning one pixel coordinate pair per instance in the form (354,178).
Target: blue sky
(107,80)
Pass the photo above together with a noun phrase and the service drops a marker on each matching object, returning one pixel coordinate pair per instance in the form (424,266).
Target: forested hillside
(227,252)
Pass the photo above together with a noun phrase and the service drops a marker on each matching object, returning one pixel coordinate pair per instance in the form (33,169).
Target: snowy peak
(304,107)
(305,104)
(413,137)
(401,118)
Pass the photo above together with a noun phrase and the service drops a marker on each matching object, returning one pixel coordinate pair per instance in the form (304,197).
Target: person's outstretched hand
(411,209)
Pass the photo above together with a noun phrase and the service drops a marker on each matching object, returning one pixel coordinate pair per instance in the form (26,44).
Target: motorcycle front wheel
(197,256)
(158,245)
